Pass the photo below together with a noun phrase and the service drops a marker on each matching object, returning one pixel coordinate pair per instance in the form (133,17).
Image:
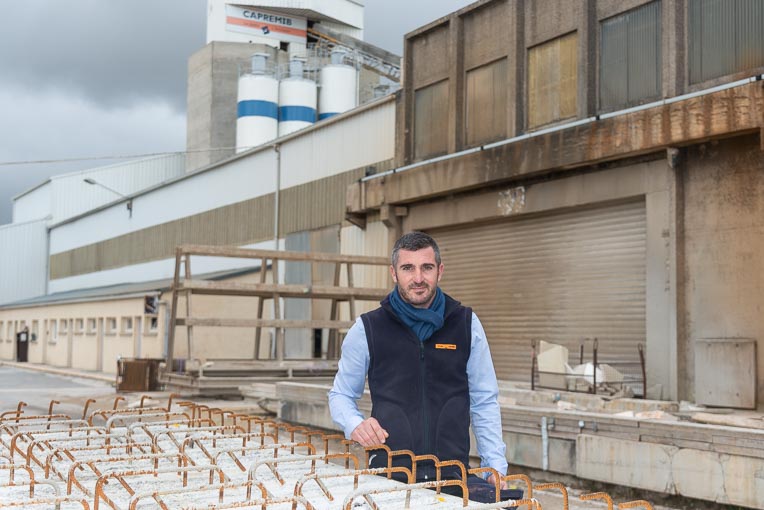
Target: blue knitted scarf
(422,321)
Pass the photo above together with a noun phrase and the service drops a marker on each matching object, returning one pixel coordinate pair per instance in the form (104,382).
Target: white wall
(34,205)
(236,181)
(68,195)
(23,263)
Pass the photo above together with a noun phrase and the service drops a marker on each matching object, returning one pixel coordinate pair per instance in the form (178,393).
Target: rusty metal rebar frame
(71,479)
(532,503)
(560,487)
(356,474)
(54,443)
(271,464)
(33,436)
(57,501)
(640,503)
(58,453)
(598,495)
(170,433)
(524,478)
(231,452)
(121,475)
(407,488)
(259,503)
(12,476)
(157,495)
(105,414)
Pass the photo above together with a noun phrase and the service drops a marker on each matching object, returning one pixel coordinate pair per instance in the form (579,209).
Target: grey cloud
(115,53)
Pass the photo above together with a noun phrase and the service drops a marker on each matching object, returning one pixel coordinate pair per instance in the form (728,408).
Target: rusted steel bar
(163,414)
(216,428)
(491,472)
(86,406)
(555,485)
(157,495)
(121,475)
(524,478)
(69,453)
(640,503)
(170,399)
(53,443)
(199,438)
(50,407)
(532,504)
(35,417)
(258,503)
(271,464)
(34,436)
(275,447)
(318,477)
(598,495)
(104,414)
(71,479)
(46,501)
(12,476)
(347,504)
(117,400)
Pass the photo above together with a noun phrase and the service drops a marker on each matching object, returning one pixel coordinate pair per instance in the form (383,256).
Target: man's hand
(492,480)
(369,432)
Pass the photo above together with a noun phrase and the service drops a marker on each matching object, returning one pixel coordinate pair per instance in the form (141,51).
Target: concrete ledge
(67,372)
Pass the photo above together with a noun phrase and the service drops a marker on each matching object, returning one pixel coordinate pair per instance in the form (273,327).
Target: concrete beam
(720,114)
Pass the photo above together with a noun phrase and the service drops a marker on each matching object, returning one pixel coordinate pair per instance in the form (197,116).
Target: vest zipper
(423,374)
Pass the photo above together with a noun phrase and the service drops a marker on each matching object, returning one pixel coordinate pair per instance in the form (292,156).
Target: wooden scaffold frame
(232,373)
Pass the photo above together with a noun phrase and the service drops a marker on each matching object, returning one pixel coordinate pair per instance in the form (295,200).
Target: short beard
(413,300)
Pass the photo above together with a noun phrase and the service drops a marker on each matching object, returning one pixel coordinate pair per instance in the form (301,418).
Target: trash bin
(138,374)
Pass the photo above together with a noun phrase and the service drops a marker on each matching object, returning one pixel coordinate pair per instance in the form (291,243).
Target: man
(429,369)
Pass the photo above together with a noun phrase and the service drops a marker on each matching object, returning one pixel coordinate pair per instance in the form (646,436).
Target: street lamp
(129,200)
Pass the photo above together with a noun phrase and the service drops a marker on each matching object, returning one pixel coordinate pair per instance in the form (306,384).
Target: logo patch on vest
(450,347)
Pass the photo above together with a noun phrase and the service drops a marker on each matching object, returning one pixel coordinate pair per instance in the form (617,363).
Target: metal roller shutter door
(559,278)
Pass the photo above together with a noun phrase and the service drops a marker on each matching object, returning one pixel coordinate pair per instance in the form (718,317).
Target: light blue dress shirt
(484,391)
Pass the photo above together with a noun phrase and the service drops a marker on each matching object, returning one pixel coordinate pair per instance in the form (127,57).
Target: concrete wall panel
(548,19)
(486,37)
(430,56)
(724,239)
(620,462)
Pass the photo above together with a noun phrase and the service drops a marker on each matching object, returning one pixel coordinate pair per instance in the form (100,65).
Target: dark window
(486,116)
(630,57)
(725,37)
(431,120)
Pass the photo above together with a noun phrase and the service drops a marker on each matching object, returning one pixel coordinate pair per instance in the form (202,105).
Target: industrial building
(591,169)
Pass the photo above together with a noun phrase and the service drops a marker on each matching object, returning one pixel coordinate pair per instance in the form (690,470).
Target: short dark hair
(415,241)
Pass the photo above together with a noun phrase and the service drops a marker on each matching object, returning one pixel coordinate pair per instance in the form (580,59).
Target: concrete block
(698,474)
(525,450)
(743,481)
(630,463)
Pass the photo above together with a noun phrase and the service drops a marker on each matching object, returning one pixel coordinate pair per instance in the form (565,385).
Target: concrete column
(673,50)
(516,69)
(456,85)
(587,63)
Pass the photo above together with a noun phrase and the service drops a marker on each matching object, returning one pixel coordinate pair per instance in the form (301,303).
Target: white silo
(297,99)
(257,111)
(338,92)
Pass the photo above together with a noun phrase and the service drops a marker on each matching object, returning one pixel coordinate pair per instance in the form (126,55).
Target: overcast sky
(90,78)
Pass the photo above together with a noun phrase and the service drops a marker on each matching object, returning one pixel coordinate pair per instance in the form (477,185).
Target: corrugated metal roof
(121,291)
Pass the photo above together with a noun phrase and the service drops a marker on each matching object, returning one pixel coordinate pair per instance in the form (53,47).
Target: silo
(257,109)
(338,92)
(297,99)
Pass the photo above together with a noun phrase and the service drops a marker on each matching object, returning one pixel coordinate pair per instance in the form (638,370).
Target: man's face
(417,276)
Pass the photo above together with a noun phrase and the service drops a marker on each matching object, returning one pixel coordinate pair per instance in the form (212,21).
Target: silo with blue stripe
(257,116)
(297,99)
(339,91)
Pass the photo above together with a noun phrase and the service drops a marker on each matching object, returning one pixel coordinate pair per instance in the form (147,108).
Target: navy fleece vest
(419,390)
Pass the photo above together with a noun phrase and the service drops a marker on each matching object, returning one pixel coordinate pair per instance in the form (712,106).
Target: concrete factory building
(591,170)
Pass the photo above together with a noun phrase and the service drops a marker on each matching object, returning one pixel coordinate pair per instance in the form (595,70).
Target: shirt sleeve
(484,402)
(350,380)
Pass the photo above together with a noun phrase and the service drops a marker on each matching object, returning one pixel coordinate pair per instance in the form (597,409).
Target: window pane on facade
(630,57)
(553,80)
(486,104)
(725,37)
(431,120)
